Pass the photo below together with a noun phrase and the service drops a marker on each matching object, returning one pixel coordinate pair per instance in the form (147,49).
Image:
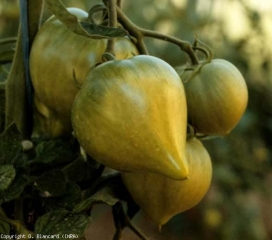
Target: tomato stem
(96,8)
(121,220)
(140,33)
(112,14)
(119,3)
(208,51)
(8,40)
(18,85)
(204,51)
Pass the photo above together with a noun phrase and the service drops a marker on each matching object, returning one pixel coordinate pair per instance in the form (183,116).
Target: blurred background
(238,205)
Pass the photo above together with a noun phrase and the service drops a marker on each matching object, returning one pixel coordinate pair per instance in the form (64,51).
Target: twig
(121,220)
(8,40)
(96,8)
(140,33)
(112,14)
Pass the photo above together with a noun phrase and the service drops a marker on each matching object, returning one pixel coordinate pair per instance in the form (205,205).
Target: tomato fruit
(216,96)
(60,61)
(131,115)
(161,198)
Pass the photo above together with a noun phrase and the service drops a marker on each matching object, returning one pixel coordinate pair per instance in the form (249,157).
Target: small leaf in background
(105,195)
(68,200)
(103,31)
(85,29)
(4,227)
(7,46)
(10,145)
(79,170)
(52,183)
(62,222)
(7,175)
(6,56)
(53,153)
(15,189)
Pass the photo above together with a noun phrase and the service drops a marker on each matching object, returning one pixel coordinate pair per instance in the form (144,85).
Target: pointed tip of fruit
(178,168)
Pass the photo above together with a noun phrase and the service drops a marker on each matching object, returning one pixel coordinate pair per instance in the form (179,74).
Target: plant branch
(18,226)
(121,220)
(133,31)
(112,15)
(140,33)
(18,103)
(96,8)
(8,40)
(119,3)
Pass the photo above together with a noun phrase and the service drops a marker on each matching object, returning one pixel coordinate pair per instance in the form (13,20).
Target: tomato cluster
(60,60)
(132,114)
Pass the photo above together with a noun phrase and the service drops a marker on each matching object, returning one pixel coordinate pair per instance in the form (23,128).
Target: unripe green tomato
(131,115)
(60,60)
(161,198)
(216,96)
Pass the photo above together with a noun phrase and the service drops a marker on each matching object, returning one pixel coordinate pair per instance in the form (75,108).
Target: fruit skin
(131,115)
(217,97)
(161,198)
(55,54)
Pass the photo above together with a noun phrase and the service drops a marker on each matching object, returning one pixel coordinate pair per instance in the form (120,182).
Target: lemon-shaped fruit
(161,198)
(131,115)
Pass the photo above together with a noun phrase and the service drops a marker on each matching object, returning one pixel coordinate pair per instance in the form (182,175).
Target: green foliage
(62,222)
(48,182)
(105,195)
(4,227)
(15,189)
(71,196)
(7,175)
(52,183)
(10,146)
(82,28)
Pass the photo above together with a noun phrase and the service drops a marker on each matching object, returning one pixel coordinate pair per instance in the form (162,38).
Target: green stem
(16,110)
(19,228)
(119,3)
(205,48)
(18,211)
(139,33)
(121,220)
(133,31)
(17,106)
(112,14)
(96,8)
(8,40)
(204,51)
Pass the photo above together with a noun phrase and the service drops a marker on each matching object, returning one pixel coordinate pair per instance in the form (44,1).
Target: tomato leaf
(62,222)
(4,227)
(52,183)
(7,175)
(108,189)
(82,166)
(103,31)
(6,56)
(105,195)
(10,145)
(82,28)
(7,51)
(68,200)
(52,153)
(15,189)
